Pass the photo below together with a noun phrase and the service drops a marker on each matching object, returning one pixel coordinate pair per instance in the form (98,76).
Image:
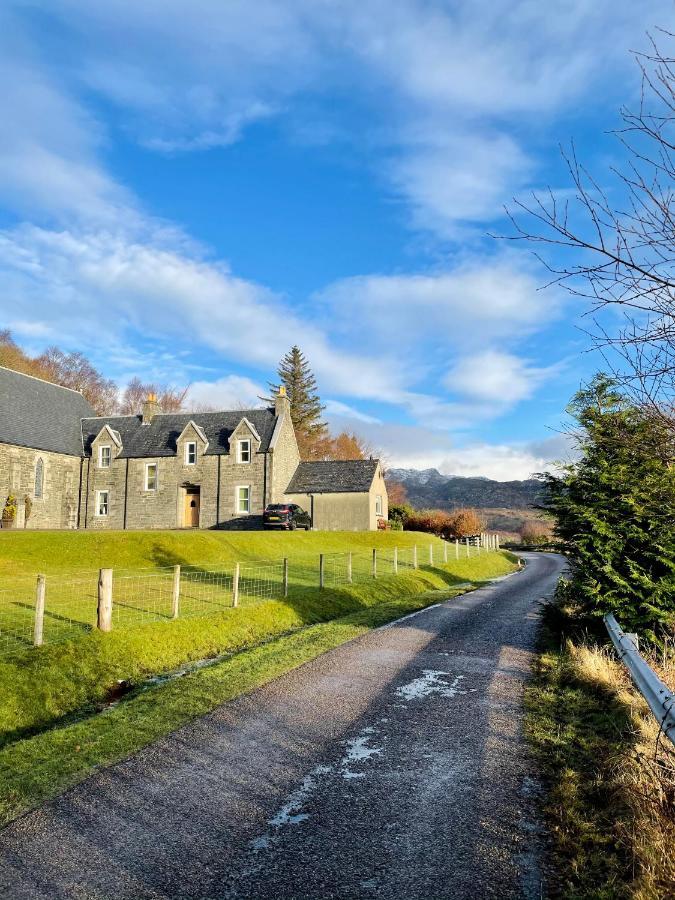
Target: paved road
(391,767)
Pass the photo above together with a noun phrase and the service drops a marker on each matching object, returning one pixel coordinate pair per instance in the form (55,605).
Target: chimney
(282,405)
(150,408)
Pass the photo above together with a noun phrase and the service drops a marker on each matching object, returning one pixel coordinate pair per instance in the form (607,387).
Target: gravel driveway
(391,767)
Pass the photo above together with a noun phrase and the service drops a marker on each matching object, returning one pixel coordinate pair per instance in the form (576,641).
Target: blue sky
(186,189)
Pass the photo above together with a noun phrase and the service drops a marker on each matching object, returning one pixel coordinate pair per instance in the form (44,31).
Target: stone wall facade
(58,505)
(190,487)
(214,479)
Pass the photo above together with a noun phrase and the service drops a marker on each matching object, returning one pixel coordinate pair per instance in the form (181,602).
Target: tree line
(75,371)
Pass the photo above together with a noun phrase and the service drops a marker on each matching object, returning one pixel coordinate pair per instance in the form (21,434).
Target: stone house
(68,468)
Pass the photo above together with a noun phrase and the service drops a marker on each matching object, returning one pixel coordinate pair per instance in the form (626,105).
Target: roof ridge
(179,412)
(43,380)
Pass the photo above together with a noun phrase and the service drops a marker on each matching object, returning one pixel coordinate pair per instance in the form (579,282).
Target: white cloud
(496,378)
(192,77)
(465,179)
(478,302)
(154,291)
(230,392)
(417,447)
(335,409)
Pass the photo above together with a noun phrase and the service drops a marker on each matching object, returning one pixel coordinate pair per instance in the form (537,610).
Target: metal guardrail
(660,698)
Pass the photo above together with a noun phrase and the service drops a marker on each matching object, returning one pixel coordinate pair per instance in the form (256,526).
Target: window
(104,457)
(244,451)
(190,453)
(102,503)
(39,479)
(151,476)
(378,505)
(244,500)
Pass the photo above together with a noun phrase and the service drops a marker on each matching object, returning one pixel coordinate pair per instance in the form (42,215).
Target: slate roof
(40,415)
(334,476)
(158,438)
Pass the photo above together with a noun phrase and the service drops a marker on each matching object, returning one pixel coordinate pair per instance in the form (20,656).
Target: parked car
(286,515)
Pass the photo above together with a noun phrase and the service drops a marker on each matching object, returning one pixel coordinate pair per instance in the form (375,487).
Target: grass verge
(610,800)
(52,733)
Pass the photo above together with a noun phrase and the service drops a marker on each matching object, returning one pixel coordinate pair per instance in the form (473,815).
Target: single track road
(391,767)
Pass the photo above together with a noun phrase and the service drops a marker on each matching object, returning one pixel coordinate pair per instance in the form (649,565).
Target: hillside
(428,488)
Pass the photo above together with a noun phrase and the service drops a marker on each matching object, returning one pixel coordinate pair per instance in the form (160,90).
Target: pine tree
(306,408)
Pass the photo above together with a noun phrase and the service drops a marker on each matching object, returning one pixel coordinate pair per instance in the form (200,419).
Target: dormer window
(191,453)
(244,451)
(104,456)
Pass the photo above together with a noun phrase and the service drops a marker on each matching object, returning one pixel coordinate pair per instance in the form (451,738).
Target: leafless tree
(615,238)
(136,392)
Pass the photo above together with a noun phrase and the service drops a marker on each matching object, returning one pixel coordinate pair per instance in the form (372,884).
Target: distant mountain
(427,488)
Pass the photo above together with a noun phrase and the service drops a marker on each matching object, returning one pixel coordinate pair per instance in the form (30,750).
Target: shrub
(432,521)
(9,512)
(399,512)
(536,533)
(466,522)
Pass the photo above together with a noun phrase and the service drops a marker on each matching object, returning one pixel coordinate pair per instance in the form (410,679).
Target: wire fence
(49,609)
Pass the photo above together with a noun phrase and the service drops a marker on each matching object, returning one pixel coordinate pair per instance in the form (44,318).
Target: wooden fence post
(431,554)
(321,570)
(175,594)
(235,585)
(39,611)
(395,560)
(415,556)
(468,554)
(374,562)
(456,548)
(445,551)
(497,541)
(285,576)
(105,600)
(349,567)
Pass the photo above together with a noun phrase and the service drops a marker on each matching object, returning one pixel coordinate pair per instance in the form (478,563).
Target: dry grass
(611,779)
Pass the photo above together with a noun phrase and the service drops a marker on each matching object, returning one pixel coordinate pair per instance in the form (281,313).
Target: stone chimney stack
(282,405)
(150,408)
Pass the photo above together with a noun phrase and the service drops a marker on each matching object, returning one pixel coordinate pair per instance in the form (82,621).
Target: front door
(191,514)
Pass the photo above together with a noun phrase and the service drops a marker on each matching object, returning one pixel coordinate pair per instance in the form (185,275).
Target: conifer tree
(615,511)
(295,374)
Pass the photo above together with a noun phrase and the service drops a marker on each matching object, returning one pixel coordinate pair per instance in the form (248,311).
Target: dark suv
(286,515)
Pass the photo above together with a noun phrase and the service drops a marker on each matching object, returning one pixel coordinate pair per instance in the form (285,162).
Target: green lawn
(52,730)
(143,572)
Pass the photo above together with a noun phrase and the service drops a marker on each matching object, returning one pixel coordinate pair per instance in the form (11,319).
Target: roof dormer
(106,446)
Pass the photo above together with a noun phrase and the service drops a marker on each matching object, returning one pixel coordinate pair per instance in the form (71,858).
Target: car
(288,516)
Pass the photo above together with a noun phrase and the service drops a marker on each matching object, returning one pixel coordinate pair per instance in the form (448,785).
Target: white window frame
(240,450)
(188,445)
(146,481)
(101,464)
(239,510)
(378,505)
(97,511)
